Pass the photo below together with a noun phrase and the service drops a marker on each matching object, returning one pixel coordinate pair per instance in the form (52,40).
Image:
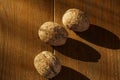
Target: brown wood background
(90,55)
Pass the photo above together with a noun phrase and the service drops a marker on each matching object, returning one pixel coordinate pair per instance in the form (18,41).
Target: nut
(53,34)
(75,20)
(47,64)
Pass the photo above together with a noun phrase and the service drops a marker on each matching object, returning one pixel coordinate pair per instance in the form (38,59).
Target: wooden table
(90,55)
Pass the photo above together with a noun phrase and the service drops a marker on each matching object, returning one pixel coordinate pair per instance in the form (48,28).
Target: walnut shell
(75,20)
(47,64)
(53,34)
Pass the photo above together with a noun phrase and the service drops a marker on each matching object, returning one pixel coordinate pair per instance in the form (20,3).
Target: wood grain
(20,21)
(95,53)
(90,55)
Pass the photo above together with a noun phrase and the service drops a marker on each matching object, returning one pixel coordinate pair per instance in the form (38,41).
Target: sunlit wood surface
(90,55)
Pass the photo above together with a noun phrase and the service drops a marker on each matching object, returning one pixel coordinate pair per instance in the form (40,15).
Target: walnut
(75,20)
(53,34)
(47,64)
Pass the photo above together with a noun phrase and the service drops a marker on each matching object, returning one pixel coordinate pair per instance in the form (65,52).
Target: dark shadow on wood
(100,36)
(78,50)
(69,74)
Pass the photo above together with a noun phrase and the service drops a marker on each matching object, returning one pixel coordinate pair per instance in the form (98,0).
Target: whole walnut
(47,64)
(53,34)
(75,20)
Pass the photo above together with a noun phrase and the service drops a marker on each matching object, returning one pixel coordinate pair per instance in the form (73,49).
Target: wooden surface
(90,55)
(20,21)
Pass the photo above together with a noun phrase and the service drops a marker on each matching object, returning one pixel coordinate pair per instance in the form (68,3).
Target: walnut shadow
(69,74)
(78,50)
(100,36)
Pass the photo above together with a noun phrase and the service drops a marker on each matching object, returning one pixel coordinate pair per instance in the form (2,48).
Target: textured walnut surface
(53,34)
(75,20)
(47,64)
